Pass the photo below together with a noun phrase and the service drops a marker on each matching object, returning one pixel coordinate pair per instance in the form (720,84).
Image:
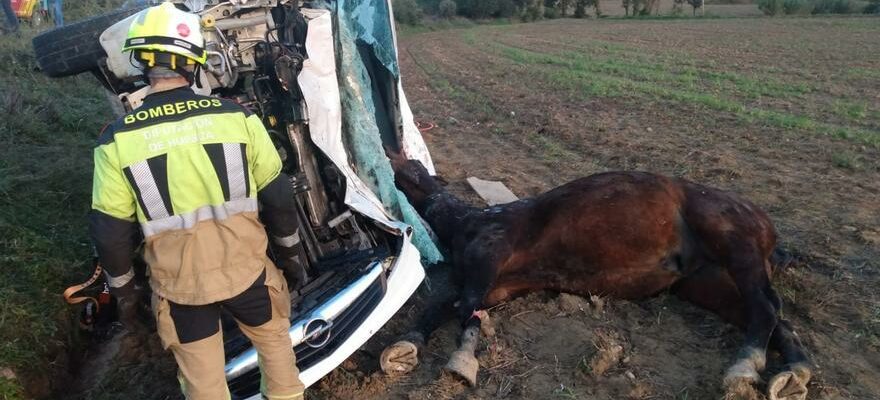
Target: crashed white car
(323,76)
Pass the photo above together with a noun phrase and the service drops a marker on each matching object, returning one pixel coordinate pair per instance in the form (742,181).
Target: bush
(873,8)
(803,7)
(770,7)
(834,7)
(447,9)
(534,10)
(407,12)
(787,7)
(506,8)
(580,9)
(797,7)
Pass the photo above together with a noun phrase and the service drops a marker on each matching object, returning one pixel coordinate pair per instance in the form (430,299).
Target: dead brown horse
(627,235)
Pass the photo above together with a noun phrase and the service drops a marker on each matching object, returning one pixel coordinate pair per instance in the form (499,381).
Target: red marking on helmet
(183,30)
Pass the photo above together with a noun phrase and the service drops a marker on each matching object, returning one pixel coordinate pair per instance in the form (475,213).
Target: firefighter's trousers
(194,336)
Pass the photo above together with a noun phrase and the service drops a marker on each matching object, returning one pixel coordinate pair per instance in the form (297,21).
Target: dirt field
(785,112)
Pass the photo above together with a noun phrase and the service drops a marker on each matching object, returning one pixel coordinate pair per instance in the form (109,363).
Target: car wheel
(75,48)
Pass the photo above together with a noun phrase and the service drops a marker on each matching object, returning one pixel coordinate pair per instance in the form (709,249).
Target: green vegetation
(479,104)
(47,130)
(806,7)
(846,161)
(407,12)
(612,71)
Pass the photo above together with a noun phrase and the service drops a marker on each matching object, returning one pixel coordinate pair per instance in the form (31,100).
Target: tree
(564,5)
(640,7)
(507,8)
(532,10)
(551,9)
(580,8)
(407,12)
(447,9)
(697,4)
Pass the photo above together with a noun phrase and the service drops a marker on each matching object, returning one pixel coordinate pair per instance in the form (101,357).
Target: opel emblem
(317,333)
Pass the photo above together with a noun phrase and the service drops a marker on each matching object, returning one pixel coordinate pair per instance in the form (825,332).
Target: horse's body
(625,235)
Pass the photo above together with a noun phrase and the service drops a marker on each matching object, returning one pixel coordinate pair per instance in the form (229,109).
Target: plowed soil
(785,112)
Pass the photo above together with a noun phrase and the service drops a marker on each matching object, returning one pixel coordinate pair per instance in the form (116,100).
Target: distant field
(784,111)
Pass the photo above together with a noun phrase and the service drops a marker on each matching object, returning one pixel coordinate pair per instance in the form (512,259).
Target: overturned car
(323,77)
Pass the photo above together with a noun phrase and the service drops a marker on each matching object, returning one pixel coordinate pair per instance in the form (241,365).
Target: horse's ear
(397,159)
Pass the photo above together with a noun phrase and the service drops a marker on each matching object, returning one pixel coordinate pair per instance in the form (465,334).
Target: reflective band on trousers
(190,219)
(235,171)
(287,241)
(146,183)
(121,280)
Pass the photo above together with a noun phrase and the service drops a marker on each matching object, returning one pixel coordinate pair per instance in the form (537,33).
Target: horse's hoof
(464,365)
(789,385)
(740,380)
(745,370)
(400,358)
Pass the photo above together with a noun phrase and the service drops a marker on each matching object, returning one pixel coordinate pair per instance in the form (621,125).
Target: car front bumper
(356,313)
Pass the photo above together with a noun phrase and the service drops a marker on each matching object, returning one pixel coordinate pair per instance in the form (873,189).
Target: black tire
(75,48)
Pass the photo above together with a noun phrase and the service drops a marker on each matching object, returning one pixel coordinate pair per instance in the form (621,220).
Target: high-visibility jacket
(187,169)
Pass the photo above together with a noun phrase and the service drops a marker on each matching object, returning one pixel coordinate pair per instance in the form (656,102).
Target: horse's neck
(446,214)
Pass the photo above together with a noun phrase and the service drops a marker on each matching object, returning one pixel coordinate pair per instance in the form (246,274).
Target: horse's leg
(790,384)
(402,356)
(713,289)
(478,275)
(463,362)
(747,268)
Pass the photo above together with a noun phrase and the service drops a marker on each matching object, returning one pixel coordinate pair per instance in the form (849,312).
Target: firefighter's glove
(291,258)
(129,304)
(294,271)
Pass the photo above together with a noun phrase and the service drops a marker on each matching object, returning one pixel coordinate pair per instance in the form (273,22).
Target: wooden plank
(493,192)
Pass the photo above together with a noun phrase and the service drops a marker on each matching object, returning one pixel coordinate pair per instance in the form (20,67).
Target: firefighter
(189,171)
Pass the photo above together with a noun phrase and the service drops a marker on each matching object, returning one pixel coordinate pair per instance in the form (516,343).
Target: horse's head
(412,178)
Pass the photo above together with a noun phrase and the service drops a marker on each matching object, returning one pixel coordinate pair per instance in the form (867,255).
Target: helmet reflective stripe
(166,29)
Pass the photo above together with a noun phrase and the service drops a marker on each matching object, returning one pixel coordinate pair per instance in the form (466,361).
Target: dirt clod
(608,354)
(572,304)
(743,390)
